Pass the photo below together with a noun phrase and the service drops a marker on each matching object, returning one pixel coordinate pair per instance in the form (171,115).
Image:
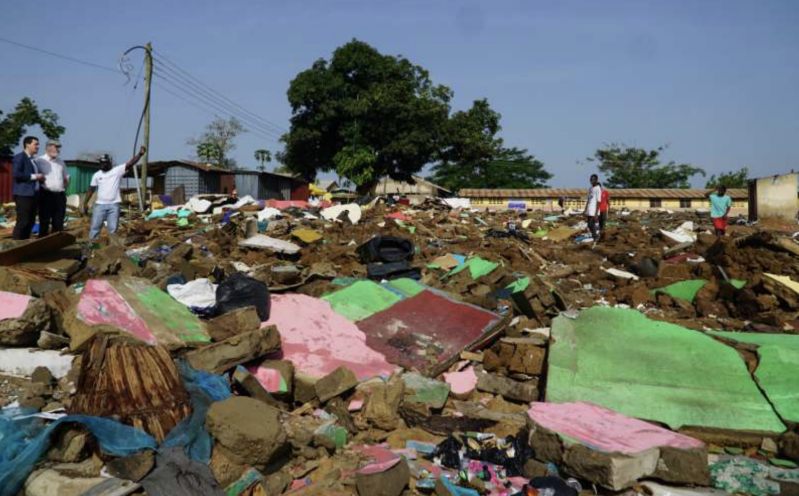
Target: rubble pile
(229,347)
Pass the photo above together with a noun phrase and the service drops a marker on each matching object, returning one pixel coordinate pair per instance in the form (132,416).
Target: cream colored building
(417,193)
(575,198)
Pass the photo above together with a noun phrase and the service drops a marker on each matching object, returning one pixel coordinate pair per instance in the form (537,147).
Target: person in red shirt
(604,207)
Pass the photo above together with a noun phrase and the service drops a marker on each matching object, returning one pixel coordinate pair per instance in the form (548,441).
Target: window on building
(655,203)
(685,203)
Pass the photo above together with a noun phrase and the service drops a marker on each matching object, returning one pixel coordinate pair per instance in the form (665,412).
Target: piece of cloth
(720,223)
(107,184)
(52,210)
(604,202)
(719,205)
(104,213)
(594,195)
(23,171)
(27,207)
(55,173)
(177,474)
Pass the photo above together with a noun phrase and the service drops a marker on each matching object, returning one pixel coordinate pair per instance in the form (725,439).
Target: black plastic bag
(239,291)
(389,271)
(386,249)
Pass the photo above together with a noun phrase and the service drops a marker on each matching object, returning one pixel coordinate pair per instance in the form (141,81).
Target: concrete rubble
(395,350)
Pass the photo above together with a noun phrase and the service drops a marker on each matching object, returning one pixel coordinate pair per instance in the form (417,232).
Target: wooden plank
(33,249)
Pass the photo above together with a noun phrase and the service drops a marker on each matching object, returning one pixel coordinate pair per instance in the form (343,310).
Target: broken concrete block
(254,389)
(225,470)
(134,467)
(508,388)
(250,431)
(233,323)
(22,318)
(527,358)
(383,403)
(610,449)
(276,376)
(22,362)
(389,482)
(42,375)
(422,389)
(222,356)
(335,383)
(304,388)
(69,446)
(50,341)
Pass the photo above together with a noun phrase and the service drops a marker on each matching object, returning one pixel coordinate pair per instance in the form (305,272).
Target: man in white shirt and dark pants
(592,206)
(52,196)
(106,182)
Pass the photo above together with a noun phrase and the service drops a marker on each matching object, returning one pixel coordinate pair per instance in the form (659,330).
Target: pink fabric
(13,305)
(383,458)
(606,430)
(101,304)
(318,340)
(399,216)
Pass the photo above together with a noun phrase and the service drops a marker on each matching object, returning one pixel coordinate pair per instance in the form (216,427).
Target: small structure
(417,191)
(196,178)
(774,197)
(329,185)
(80,175)
(270,186)
(575,198)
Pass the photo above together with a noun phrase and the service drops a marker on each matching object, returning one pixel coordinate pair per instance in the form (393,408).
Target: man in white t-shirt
(592,206)
(106,182)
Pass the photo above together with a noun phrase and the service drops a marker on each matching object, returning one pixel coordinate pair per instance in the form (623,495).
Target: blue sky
(715,79)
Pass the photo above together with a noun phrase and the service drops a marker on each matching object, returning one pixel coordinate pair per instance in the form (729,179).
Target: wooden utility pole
(148,81)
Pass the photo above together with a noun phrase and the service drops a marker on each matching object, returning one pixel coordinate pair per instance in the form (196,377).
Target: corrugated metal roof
(161,165)
(735,194)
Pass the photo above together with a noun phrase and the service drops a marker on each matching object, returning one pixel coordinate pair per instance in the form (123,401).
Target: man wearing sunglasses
(53,197)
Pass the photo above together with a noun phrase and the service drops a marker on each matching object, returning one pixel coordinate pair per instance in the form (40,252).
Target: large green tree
(474,157)
(365,115)
(14,125)
(631,167)
(739,179)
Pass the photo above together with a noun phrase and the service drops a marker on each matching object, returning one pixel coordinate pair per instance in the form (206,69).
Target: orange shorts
(720,223)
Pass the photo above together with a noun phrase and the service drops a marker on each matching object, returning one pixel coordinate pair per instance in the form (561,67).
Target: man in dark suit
(25,188)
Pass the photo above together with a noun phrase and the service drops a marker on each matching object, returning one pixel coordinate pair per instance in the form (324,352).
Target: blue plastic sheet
(204,388)
(23,441)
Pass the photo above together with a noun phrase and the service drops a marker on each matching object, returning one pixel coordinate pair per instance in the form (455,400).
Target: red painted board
(425,330)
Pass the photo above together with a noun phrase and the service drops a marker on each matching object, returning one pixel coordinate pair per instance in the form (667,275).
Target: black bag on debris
(378,271)
(386,249)
(239,291)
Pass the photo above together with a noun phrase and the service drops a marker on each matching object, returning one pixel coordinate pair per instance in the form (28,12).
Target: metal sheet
(425,330)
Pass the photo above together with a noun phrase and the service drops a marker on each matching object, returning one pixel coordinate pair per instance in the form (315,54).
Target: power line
(65,57)
(204,105)
(186,89)
(166,72)
(267,121)
(176,87)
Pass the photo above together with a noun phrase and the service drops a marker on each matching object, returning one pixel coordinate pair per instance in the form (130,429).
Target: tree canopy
(15,125)
(263,156)
(217,141)
(631,167)
(474,157)
(364,115)
(739,179)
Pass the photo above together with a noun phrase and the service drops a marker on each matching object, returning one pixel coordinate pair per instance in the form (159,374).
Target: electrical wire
(198,102)
(58,55)
(266,121)
(190,86)
(246,123)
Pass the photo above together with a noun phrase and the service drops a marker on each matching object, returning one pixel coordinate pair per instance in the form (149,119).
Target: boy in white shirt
(106,182)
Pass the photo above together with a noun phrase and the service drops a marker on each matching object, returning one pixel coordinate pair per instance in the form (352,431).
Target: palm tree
(263,156)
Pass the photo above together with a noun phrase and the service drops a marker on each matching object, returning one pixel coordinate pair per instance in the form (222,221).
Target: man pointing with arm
(106,182)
